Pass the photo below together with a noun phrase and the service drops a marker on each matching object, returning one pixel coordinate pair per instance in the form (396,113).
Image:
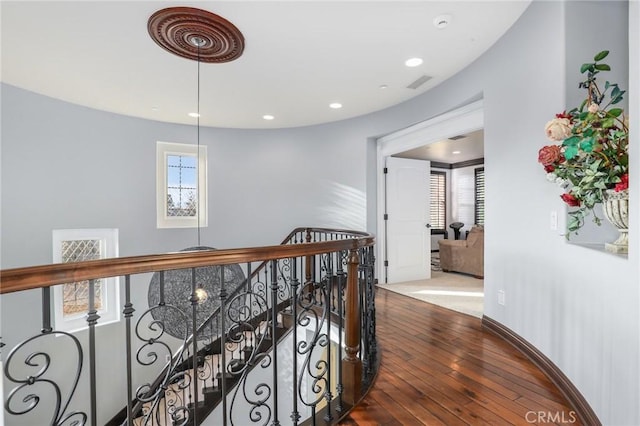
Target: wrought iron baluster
(128,313)
(33,372)
(339,297)
(213,340)
(328,292)
(361,296)
(161,286)
(248,287)
(312,318)
(223,345)
(194,327)
(150,329)
(251,302)
(371,313)
(274,320)
(295,283)
(46,310)
(92,320)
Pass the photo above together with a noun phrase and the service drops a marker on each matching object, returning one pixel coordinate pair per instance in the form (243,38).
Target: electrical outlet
(501,297)
(553,220)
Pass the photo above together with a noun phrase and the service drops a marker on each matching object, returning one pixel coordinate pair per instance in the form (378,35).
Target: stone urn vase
(616,210)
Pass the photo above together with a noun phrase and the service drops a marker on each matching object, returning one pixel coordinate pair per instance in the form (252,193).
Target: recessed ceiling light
(441,21)
(268,117)
(413,62)
(383,86)
(194,114)
(154,108)
(335,105)
(456,152)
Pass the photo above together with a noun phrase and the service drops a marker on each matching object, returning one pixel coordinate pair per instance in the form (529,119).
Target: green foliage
(593,155)
(601,55)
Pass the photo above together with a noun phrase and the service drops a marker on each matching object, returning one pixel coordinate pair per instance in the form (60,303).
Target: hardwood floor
(440,368)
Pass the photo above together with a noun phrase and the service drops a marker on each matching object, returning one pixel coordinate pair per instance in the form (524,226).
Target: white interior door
(408,229)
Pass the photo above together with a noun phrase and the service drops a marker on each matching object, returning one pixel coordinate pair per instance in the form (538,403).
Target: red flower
(570,200)
(623,184)
(549,155)
(564,114)
(549,168)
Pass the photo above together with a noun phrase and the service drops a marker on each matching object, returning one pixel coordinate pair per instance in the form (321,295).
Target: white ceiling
(465,147)
(299,56)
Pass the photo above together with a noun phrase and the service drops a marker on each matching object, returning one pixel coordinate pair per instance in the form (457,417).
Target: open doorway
(456,184)
(453,146)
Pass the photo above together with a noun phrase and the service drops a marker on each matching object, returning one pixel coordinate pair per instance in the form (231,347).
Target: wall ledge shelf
(600,247)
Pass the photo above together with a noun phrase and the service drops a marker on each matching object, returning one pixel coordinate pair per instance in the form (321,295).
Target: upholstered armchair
(465,256)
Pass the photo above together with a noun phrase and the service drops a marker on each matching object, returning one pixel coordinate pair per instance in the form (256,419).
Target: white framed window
(181,185)
(71,300)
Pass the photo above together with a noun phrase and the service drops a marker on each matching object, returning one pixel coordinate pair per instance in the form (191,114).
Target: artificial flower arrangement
(591,154)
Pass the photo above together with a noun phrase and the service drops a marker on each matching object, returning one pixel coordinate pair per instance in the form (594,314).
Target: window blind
(438,201)
(479,190)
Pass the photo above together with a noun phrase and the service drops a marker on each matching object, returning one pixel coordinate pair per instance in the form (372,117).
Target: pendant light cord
(199,209)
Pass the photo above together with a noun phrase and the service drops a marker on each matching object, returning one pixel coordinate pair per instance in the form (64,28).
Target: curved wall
(65,166)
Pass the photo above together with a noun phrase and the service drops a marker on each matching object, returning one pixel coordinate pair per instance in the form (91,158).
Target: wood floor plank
(487,397)
(438,386)
(439,367)
(531,383)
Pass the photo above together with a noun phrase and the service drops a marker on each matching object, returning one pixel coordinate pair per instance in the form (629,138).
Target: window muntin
(75,298)
(71,300)
(181,185)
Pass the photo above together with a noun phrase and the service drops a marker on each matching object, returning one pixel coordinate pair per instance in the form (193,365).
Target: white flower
(593,108)
(562,183)
(551,177)
(558,129)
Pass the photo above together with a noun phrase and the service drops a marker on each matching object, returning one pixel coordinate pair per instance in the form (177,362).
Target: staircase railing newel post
(352,365)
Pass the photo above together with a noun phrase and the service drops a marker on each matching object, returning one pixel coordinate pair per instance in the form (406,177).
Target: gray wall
(580,47)
(65,166)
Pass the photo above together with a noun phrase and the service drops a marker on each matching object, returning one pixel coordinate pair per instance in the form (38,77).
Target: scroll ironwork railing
(291,342)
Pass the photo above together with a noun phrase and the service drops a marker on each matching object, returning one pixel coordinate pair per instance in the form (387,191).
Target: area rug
(458,292)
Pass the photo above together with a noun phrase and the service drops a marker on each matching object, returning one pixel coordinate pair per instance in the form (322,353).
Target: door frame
(465,119)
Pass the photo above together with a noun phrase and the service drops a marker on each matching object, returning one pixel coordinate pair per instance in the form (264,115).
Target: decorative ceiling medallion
(180,30)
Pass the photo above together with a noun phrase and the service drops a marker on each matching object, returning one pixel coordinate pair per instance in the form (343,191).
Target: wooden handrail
(297,245)
(27,278)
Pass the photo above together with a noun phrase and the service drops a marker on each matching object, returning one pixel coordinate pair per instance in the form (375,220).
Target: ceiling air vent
(455,138)
(419,82)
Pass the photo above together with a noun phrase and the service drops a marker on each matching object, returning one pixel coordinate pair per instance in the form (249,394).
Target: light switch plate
(501,297)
